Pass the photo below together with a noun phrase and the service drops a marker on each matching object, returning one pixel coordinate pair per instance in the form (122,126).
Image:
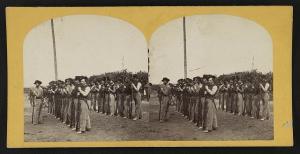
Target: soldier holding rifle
(166,94)
(137,96)
(36,95)
(210,109)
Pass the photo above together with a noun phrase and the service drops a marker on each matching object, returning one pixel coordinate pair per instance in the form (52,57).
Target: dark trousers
(185,105)
(77,112)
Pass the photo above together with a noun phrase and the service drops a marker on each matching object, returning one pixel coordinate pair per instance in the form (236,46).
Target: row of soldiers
(196,99)
(71,100)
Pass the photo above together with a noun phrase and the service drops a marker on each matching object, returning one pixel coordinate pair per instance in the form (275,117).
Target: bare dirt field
(107,128)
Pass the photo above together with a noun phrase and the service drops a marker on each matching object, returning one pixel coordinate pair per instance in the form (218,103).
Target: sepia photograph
(212,79)
(209,74)
(81,81)
(184,76)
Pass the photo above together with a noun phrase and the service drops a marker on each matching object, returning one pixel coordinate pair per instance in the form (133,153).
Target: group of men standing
(198,99)
(72,100)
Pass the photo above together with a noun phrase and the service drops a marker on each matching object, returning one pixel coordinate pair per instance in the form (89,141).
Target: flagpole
(54,50)
(184,48)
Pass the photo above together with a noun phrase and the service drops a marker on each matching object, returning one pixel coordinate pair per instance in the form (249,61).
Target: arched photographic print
(212,79)
(83,80)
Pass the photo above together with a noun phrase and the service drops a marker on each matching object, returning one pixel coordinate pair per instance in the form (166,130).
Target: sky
(216,44)
(85,45)
(90,45)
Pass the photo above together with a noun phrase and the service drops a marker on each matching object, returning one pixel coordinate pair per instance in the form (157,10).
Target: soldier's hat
(52,82)
(135,76)
(165,79)
(78,78)
(180,81)
(37,82)
(197,78)
(69,80)
(205,76)
(212,76)
(188,80)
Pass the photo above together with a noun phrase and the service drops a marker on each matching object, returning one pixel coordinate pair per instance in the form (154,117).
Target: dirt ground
(107,128)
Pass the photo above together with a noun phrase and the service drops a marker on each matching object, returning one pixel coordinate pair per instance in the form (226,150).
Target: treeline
(247,76)
(143,76)
(121,75)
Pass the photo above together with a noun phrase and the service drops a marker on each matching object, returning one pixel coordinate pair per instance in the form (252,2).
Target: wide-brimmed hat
(165,79)
(69,80)
(197,78)
(37,82)
(209,76)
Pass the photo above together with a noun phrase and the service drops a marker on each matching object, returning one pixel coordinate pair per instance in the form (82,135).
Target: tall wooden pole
(184,48)
(148,62)
(54,50)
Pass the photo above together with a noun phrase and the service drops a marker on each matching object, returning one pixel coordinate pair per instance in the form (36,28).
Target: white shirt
(212,91)
(265,88)
(86,91)
(137,87)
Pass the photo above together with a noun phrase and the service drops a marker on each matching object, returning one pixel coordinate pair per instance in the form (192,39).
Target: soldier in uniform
(63,102)
(240,98)
(196,99)
(127,99)
(248,97)
(75,124)
(120,97)
(185,98)
(93,95)
(230,97)
(137,96)
(189,95)
(225,95)
(210,109)
(221,97)
(148,90)
(69,99)
(106,97)
(51,92)
(234,97)
(37,97)
(255,100)
(101,96)
(112,98)
(58,101)
(166,94)
(265,90)
(85,122)
(179,95)
(201,106)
